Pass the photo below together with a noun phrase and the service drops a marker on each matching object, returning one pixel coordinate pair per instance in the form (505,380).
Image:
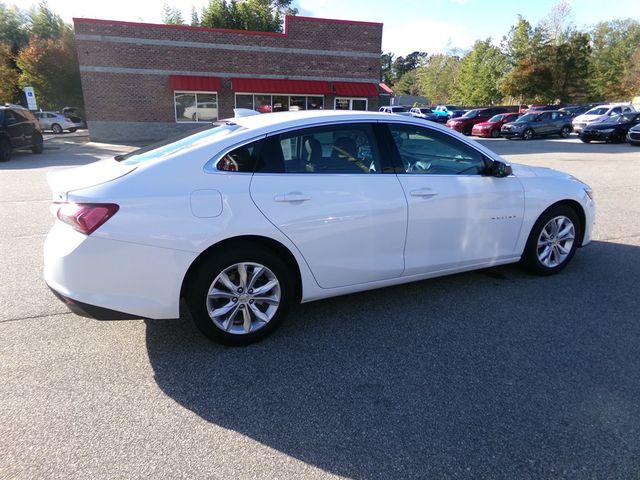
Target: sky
(432,26)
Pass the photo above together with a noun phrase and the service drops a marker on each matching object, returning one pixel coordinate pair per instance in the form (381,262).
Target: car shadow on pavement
(61,155)
(489,374)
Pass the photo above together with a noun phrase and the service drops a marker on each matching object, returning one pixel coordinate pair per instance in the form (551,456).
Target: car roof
(303,117)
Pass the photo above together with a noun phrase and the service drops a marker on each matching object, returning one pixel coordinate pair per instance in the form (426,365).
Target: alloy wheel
(243,298)
(555,241)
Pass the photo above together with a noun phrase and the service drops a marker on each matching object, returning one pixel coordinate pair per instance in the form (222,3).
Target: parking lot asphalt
(492,374)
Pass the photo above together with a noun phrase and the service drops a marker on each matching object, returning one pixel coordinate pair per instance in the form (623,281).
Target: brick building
(145,81)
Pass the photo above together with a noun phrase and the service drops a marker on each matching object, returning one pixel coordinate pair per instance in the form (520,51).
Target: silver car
(57,122)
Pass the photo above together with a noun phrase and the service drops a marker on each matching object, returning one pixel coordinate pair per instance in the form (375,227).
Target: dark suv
(18,129)
(538,124)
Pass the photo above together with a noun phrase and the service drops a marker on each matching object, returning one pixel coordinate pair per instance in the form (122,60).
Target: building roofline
(287,19)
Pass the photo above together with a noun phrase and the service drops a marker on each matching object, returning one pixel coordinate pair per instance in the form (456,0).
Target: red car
(491,128)
(465,123)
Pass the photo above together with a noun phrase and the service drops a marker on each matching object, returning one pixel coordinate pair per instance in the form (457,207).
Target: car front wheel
(38,144)
(240,296)
(552,242)
(57,129)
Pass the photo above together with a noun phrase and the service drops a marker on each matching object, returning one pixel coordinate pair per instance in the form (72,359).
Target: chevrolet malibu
(253,214)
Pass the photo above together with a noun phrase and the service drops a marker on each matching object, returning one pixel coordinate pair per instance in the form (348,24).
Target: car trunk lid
(63,181)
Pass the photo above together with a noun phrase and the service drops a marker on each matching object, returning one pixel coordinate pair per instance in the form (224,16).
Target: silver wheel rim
(243,298)
(527,134)
(555,241)
(565,132)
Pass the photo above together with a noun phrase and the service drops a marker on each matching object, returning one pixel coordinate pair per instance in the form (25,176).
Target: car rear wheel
(5,150)
(57,129)
(565,132)
(38,143)
(552,242)
(527,134)
(239,296)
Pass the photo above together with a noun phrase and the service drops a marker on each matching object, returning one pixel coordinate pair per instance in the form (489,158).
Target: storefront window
(195,106)
(279,103)
(244,101)
(351,103)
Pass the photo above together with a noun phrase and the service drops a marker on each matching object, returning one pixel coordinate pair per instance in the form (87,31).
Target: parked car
(465,123)
(255,213)
(491,128)
(537,124)
(444,112)
(398,110)
(613,129)
(575,110)
(19,129)
(599,114)
(424,113)
(633,136)
(58,122)
(206,111)
(537,108)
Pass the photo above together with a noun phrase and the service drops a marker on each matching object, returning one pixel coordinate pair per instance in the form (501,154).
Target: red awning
(260,85)
(186,82)
(385,88)
(355,89)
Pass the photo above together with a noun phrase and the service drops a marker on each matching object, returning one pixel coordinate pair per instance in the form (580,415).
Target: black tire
(585,140)
(531,255)
(5,150)
(72,130)
(527,134)
(495,133)
(37,143)
(57,129)
(565,132)
(203,278)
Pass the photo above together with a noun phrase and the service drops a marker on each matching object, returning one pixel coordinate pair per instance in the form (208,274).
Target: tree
(631,80)
(386,61)
(517,45)
(569,65)
(8,75)
(171,15)
(195,20)
(438,79)
(13,28)
(46,25)
(528,81)
(51,68)
(613,45)
(408,83)
(479,74)
(256,15)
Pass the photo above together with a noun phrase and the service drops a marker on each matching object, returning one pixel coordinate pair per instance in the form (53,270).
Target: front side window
(425,151)
(196,106)
(335,149)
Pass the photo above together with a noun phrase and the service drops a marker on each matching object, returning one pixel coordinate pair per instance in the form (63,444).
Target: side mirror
(500,169)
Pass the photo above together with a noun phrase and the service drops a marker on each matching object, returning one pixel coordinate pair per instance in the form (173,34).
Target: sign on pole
(31,98)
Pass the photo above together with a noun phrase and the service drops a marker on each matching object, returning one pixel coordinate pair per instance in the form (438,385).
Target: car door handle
(424,193)
(292,197)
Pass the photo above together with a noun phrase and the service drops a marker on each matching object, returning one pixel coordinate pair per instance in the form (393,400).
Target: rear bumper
(92,311)
(104,278)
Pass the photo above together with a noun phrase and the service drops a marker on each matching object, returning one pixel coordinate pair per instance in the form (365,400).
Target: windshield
(173,145)
(471,114)
(496,118)
(528,117)
(597,111)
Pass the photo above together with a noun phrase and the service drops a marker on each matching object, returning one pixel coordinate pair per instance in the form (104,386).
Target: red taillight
(86,217)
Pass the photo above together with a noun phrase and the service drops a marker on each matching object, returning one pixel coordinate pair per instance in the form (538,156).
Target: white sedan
(252,214)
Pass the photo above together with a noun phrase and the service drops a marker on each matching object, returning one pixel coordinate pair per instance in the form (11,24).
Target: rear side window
(335,149)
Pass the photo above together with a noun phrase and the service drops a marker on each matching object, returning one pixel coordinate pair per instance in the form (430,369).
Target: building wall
(125,67)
